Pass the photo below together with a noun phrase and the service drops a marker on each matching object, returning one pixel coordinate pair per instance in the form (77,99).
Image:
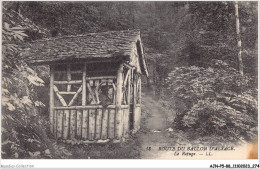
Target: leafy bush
(214,101)
(23,128)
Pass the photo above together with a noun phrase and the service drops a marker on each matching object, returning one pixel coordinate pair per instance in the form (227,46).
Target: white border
(123,163)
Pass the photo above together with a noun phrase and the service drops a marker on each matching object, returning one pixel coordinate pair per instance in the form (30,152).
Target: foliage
(23,128)
(215,101)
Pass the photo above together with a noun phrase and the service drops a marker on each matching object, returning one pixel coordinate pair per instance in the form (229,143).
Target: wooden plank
(111,123)
(75,96)
(91,133)
(59,123)
(68,77)
(137,118)
(126,77)
(118,125)
(140,91)
(91,92)
(139,86)
(96,82)
(63,102)
(84,89)
(55,123)
(68,82)
(123,122)
(134,104)
(66,120)
(101,77)
(104,129)
(72,124)
(129,89)
(79,124)
(126,122)
(51,100)
(67,93)
(85,125)
(98,124)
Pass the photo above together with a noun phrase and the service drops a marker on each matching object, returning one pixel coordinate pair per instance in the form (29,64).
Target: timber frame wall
(92,123)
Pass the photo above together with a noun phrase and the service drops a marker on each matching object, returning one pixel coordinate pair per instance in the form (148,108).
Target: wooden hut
(95,84)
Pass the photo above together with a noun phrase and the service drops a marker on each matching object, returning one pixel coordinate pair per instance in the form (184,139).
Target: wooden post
(140,89)
(51,98)
(73,118)
(134,101)
(111,124)
(84,97)
(85,124)
(119,126)
(98,124)
(66,118)
(68,77)
(104,129)
(129,89)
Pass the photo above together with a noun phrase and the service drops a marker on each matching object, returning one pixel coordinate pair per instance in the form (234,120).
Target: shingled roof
(113,44)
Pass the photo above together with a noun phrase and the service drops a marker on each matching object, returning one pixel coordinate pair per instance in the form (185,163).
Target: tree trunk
(239,55)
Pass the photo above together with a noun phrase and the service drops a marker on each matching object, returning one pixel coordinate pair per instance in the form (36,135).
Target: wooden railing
(88,120)
(90,123)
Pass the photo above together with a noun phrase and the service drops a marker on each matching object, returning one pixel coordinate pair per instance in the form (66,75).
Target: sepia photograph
(129,80)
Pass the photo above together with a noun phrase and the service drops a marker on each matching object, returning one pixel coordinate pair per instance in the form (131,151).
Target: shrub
(214,101)
(23,128)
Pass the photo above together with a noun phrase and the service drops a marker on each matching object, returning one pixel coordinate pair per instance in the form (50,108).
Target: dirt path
(156,134)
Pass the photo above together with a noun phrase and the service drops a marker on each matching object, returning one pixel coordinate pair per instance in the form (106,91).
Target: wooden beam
(126,77)
(68,77)
(100,77)
(89,107)
(134,100)
(140,90)
(75,96)
(51,98)
(63,102)
(84,89)
(119,85)
(96,91)
(67,93)
(68,82)
(129,89)
(88,141)
(80,71)
(91,92)
(66,118)
(119,126)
